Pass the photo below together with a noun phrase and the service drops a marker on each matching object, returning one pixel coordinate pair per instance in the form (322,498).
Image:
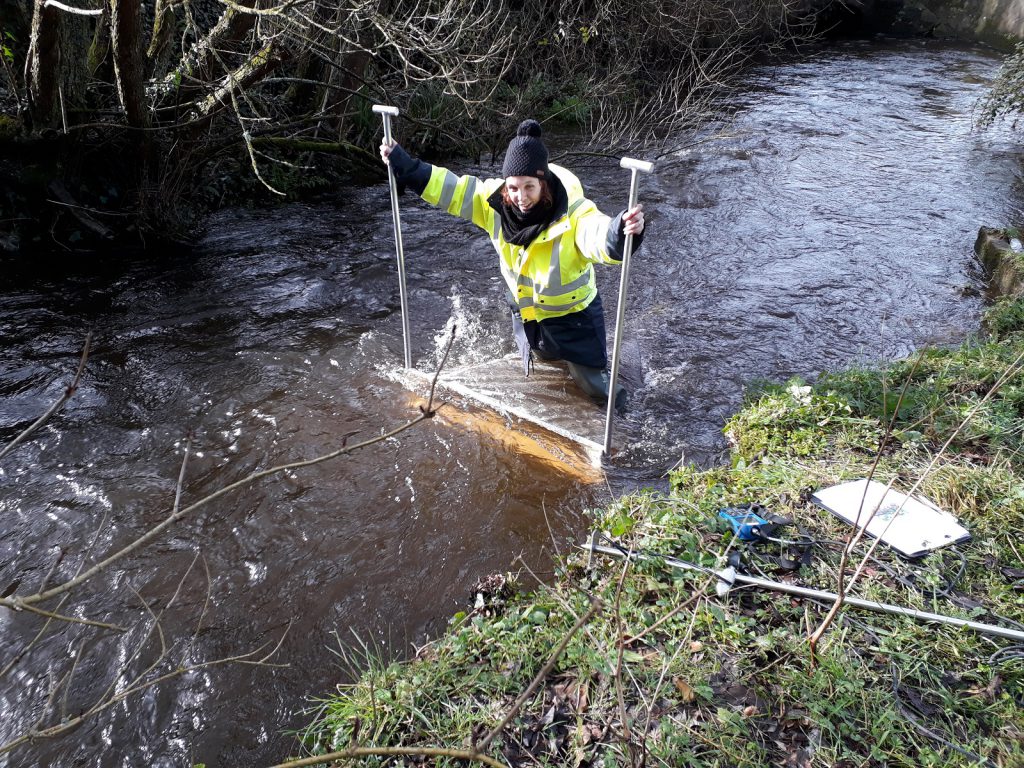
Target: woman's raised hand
(385,149)
(633,220)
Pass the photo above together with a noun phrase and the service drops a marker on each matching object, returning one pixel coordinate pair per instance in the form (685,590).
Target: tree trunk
(165,25)
(301,95)
(42,66)
(126,42)
(353,70)
(200,64)
(96,59)
(254,70)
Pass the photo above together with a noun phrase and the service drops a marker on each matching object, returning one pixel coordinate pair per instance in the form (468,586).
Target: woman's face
(524,191)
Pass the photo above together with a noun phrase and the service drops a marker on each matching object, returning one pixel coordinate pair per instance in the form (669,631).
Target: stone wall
(997,22)
(1004,265)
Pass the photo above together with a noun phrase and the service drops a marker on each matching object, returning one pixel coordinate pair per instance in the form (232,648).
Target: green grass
(1005,317)
(668,673)
(926,398)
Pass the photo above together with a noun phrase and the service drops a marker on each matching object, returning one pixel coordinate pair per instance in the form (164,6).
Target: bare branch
(137,686)
(595,607)
(71,9)
(17,603)
(181,476)
(68,393)
(72,619)
(425,413)
(1012,370)
(331,757)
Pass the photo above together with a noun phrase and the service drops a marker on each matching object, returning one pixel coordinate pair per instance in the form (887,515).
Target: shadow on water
(831,226)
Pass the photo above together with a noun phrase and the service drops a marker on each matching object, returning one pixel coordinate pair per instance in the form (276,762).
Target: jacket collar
(512,229)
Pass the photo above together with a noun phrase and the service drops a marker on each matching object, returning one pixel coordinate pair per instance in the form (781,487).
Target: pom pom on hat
(526,154)
(529,127)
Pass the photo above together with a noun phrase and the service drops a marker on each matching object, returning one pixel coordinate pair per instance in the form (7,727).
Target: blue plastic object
(744,522)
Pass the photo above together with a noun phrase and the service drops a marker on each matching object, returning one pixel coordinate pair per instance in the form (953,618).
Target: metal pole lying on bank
(728,577)
(387,113)
(613,377)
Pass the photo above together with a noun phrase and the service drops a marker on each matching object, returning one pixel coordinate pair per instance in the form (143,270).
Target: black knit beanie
(526,154)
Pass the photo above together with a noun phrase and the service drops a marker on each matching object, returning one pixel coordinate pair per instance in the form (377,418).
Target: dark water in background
(832,225)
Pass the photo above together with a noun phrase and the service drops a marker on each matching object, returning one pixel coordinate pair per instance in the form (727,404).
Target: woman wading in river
(548,235)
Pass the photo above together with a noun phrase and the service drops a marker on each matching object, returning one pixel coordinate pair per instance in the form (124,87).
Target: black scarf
(521,228)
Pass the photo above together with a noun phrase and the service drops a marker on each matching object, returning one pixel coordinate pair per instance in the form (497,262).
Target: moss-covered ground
(666,672)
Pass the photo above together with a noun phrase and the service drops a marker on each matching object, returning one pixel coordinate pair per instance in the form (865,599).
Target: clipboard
(911,525)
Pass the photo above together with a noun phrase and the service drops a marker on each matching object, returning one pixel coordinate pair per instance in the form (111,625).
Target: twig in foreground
(595,606)
(68,393)
(17,602)
(458,754)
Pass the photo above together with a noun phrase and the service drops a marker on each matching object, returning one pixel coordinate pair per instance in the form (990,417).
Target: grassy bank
(634,662)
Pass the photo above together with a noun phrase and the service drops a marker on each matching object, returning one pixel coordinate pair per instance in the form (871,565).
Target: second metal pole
(728,577)
(387,113)
(620,315)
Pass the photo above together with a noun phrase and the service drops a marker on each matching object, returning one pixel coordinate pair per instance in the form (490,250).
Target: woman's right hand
(385,149)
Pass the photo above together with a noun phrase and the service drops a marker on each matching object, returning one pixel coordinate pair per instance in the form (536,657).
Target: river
(831,223)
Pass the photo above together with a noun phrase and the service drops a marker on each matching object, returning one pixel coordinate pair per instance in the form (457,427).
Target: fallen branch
(63,197)
(458,754)
(252,71)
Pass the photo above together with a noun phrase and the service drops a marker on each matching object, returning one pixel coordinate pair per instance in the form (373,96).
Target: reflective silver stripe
(574,206)
(495,227)
(467,199)
(558,290)
(555,272)
(519,279)
(447,190)
(557,307)
(525,301)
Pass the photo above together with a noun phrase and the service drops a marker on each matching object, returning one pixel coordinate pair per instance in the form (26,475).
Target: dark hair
(546,197)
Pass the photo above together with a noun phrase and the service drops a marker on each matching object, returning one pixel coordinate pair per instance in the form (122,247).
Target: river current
(830,223)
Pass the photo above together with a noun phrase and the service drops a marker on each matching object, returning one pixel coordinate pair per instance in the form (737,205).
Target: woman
(548,235)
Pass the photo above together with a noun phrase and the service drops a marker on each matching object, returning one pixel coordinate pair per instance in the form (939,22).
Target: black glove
(401,163)
(409,171)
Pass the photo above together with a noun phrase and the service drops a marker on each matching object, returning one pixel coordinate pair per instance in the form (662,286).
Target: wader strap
(522,342)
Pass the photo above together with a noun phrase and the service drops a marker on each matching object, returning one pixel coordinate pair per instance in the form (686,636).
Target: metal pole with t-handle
(387,113)
(635,166)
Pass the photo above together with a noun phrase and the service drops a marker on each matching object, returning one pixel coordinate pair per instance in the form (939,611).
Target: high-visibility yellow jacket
(553,275)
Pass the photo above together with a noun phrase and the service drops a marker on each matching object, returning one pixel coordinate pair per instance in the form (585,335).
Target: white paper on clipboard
(918,528)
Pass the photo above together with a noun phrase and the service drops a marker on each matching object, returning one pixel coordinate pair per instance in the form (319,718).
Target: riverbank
(650,663)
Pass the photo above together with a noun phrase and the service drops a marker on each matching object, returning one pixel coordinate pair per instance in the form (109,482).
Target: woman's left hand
(633,220)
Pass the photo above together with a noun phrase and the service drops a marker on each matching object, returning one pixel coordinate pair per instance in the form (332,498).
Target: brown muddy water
(833,225)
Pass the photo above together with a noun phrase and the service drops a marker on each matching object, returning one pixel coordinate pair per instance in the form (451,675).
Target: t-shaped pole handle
(386,114)
(636,167)
(627,162)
